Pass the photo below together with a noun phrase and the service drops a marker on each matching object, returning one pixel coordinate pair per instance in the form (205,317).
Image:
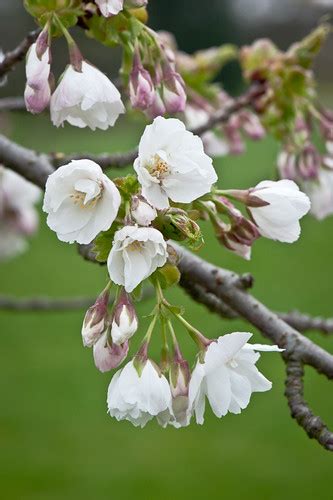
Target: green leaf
(68,12)
(103,243)
(168,275)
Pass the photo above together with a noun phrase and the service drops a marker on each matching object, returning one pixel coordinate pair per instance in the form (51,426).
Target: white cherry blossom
(138,398)
(286,204)
(172,164)
(228,376)
(81,201)
(86,99)
(136,253)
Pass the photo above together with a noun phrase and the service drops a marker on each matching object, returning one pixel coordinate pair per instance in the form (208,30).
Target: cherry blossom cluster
(129,221)
(84,97)
(312,168)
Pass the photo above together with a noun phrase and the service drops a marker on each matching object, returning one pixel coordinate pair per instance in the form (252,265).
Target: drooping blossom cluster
(129,221)
(84,97)
(302,161)
(18,214)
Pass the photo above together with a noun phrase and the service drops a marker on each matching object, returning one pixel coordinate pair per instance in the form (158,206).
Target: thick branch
(18,54)
(301,322)
(225,285)
(33,166)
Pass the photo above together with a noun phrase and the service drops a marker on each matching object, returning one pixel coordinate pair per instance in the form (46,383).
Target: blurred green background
(56,439)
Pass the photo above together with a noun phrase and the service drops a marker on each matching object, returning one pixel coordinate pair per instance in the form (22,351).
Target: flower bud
(174,95)
(177,225)
(157,108)
(179,385)
(240,234)
(309,162)
(95,320)
(142,212)
(106,356)
(252,125)
(124,321)
(286,164)
(233,136)
(37,92)
(141,86)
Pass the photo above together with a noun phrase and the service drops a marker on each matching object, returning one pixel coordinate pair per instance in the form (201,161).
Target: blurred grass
(57,442)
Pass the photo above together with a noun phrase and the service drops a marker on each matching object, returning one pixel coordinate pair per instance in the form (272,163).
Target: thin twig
(16,55)
(45,303)
(299,408)
(48,304)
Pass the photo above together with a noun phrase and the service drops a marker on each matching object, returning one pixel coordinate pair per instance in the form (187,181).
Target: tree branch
(35,167)
(300,410)
(12,104)
(301,322)
(225,285)
(18,54)
(49,304)
(45,303)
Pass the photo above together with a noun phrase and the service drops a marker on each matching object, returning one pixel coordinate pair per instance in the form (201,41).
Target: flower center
(233,363)
(158,168)
(135,246)
(86,200)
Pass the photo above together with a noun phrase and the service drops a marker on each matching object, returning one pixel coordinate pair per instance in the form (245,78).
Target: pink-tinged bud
(328,158)
(234,137)
(108,357)
(42,42)
(142,212)
(174,95)
(309,162)
(179,384)
(286,164)
(96,320)
(326,124)
(252,125)
(239,235)
(157,108)
(37,92)
(230,241)
(124,321)
(141,86)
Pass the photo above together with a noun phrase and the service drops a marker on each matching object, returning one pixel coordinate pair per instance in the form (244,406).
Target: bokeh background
(56,439)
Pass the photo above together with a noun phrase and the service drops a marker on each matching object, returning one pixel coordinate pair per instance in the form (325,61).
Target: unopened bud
(177,225)
(157,108)
(108,357)
(142,212)
(95,320)
(141,86)
(124,321)
(252,125)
